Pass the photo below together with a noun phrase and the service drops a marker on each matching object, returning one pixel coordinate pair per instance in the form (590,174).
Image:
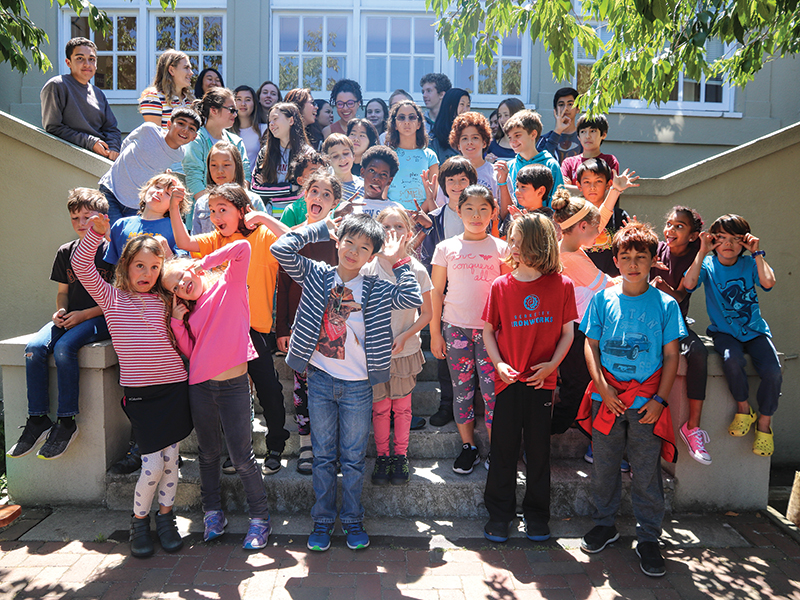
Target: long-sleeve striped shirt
(137,323)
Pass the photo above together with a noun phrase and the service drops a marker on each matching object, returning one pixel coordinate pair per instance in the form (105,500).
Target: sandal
(740,425)
(305,461)
(764,444)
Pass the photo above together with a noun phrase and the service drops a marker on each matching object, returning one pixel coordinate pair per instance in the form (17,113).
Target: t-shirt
(527,317)
(586,277)
(403,320)
(283,166)
(569,166)
(561,146)
(262,276)
(340,349)
(731,298)
(486,178)
(472,267)
(372,206)
(130,227)
(77,296)
(453,225)
(154,104)
(677,267)
(252,142)
(407,184)
(295,213)
(349,188)
(632,331)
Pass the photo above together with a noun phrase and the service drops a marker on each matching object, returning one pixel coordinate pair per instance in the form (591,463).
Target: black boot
(168,535)
(141,541)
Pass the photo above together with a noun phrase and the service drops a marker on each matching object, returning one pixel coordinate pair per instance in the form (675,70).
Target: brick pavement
(399,568)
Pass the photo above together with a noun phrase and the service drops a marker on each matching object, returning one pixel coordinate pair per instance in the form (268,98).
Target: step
(434,491)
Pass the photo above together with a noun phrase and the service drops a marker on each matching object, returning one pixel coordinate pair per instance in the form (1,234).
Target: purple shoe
(214,522)
(257,534)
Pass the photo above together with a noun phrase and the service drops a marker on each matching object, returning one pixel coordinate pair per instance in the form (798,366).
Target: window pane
(312,73)
(400,73)
(105,44)
(691,91)
(126,34)
(337,34)
(212,34)
(424,37)
(673,95)
(512,45)
(289,35)
(376,73)
(312,34)
(337,67)
(195,67)
(464,76)
(104,78)
(401,36)
(126,73)
(714,90)
(190,33)
(288,73)
(212,61)
(422,66)
(512,77)
(80,27)
(376,34)
(165,33)
(487,79)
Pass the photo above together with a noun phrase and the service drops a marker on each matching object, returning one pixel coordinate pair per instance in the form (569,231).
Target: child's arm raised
(439,279)
(669,369)
(254,218)
(501,174)
(766,276)
(182,338)
(286,248)
(83,263)
(506,371)
(543,370)
(607,393)
(182,238)
(236,254)
(619,184)
(692,276)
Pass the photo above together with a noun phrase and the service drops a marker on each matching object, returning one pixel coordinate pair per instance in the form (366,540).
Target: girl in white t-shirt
(248,124)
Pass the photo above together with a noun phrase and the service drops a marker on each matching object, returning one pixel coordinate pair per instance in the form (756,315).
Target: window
(503,78)
(200,35)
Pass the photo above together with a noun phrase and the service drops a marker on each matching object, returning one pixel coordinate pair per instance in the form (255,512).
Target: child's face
(529,196)
(222,116)
(591,138)
(729,247)
(224,215)
(476,213)
(280,125)
(566,106)
(394,223)
(354,252)
(634,265)
(358,135)
(503,114)
(593,187)
(143,271)
(83,64)
(156,198)
(245,103)
(80,220)
(325,115)
(185,284)
(319,200)
(221,167)
(310,168)
(470,143)
(464,105)
(182,130)
(493,124)
(268,96)
(341,158)
(309,113)
(678,231)
(522,142)
(407,122)
(453,186)
(377,177)
(375,114)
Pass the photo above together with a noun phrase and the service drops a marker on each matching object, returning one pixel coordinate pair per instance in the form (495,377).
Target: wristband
(759,253)
(502,184)
(659,399)
(401,262)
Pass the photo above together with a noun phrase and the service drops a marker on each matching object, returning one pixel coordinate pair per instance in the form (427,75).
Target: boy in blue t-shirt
(632,334)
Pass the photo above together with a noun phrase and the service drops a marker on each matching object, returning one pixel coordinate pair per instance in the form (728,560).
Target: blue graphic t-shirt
(731,299)
(130,227)
(407,184)
(632,331)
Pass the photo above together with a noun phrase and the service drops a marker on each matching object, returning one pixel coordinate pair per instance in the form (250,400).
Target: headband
(578,216)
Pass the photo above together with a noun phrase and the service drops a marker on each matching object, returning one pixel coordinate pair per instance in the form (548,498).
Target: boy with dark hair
(434,86)
(534,184)
(379,165)
(591,132)
(77,321)
(342,337)
(77,111)
(632,336)
(522,130)
(148,149)
(562,142)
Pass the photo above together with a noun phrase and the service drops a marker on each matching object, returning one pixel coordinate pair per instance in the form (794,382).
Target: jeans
(341,412)
(64,345)
(116,209)
(270,392)
(227,403)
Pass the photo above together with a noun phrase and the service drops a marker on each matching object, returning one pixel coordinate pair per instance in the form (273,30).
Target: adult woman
(377,112)
(268,96)
(346,97)
(455,102)
(172,88)
(207,79)
(500,148)
(248,123)
(324,114)
(304,102)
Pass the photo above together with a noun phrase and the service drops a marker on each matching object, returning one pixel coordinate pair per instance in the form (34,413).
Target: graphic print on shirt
(633,344)
(740,301)
(334,322)
(529,316)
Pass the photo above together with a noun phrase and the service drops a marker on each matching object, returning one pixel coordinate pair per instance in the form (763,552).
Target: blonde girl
(406,135)
(407,359)
(171,88)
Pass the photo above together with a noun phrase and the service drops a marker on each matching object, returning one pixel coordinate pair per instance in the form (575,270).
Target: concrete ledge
(99,355)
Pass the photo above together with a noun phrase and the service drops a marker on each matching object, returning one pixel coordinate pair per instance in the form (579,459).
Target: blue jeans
(341,413)
(64,345)
(116,209)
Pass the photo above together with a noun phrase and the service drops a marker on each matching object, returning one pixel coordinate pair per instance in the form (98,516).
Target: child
(522,130)
(632,334)
(339,150)
(211,323)
(394,396)
(379,165)
(675,255)
(562,142)
(77,321)
(527,333)
(149,149)
(223,165)
(171,88)
(500,149)
(591,133)
(299,170)
(467,264)
(342,335)
(284,140)
(736,322)
(77,111)
(150,371)
(534,184)
(364,136)
(249,124)
(322,193)
(234,220)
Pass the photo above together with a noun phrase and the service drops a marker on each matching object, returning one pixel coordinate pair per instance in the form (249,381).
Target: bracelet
(502,184)
(759,253)
(659,399)
(401,262)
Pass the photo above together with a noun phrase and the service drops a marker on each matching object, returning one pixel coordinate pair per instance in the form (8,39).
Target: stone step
(434,491)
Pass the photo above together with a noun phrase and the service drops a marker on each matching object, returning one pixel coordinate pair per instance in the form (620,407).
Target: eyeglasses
(231,109)
(348,104)
(403,118)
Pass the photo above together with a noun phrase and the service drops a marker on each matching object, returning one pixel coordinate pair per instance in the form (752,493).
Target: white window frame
(182,11)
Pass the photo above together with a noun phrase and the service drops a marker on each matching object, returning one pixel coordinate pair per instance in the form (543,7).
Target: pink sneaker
(696,440)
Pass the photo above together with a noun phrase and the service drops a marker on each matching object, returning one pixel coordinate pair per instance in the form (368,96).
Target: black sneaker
(598,538)
(537,531)
(400,470)
(272,463)
(228,468)
(468,458)
(496,531)
(650,559)
(131,462)
(417,423)
(442,417)
(32,434)
(382,473)
(58,441)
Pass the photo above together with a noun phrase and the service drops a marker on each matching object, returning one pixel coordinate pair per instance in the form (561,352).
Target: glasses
(348,104)
(231,109)
(403,118)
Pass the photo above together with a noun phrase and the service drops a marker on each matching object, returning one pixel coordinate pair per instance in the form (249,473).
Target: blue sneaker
(214,522)
(357,538)
(257,534)
(320,538)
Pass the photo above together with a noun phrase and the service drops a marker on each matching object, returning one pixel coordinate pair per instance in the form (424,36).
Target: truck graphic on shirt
(629,344)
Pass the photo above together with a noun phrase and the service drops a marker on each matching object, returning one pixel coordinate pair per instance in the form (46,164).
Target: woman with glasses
(346,99)
(406,135)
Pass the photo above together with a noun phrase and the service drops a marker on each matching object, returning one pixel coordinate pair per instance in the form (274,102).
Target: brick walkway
(768,568)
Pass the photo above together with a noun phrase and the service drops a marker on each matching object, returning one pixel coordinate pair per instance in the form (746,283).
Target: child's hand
(563,121)
(393,249)
(750,242)
(179,309)
(100,224)
(707,242)
(58,317)
(490,158)
(540,374)
(429,183)
(283,343)
(506,373)
(418,217)
(613,403)
(253,219)
(399,343)
(515,211)
(438,346)
(344,209)
(624,181)
(652,410)
(101,148)
(658,283)
(176,197)
(71,319)
(164,245)
(630,220)
(501,171)
(332,227)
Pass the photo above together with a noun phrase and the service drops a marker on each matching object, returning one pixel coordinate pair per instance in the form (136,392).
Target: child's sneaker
(214,522)
(741,423)
(496,531)
(536,531)
(696,440)
(382,473)
(400,470)
(357,538)
(468,458)
(33,432)
(320,538)
(58,441)
(257,534)
(589,456)
(598,538)
(488,462)
(650,560)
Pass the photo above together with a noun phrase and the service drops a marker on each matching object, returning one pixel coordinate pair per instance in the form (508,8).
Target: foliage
(649,43)
(20,36)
